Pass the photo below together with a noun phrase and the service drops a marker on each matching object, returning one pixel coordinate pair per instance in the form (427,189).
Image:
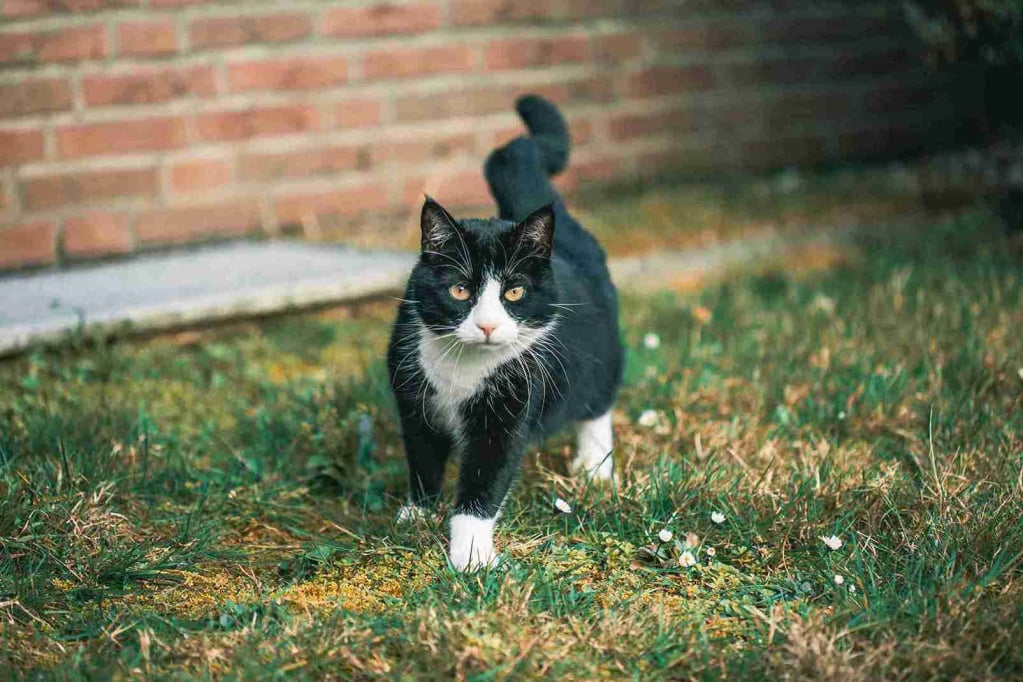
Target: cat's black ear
(438,226)
(536,232)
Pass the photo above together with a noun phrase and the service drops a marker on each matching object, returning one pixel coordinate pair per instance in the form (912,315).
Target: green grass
(221,504)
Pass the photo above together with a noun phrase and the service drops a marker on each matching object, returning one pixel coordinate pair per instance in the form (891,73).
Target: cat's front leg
(490,464)
(426,451)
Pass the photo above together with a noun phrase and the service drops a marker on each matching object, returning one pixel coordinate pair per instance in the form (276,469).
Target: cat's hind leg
(594,443)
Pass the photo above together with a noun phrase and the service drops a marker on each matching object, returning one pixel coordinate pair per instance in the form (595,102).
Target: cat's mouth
(487,345)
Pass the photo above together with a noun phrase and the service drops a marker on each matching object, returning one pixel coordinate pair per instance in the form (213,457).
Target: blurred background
(129,125)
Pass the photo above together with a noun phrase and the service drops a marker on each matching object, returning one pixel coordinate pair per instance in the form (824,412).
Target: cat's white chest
(456,373)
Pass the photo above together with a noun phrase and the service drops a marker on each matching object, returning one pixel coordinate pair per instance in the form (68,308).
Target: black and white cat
(507,333)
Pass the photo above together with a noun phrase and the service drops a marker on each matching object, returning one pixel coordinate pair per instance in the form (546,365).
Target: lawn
(221,503)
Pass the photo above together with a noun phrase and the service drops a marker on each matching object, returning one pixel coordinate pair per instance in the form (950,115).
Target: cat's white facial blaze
(488,324)
(472,542)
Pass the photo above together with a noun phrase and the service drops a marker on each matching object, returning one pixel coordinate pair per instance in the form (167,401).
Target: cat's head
(485,282)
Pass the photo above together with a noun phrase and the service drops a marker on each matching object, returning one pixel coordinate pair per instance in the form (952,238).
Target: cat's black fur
(574,375)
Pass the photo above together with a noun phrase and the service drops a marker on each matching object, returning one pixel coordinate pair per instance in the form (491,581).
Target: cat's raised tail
(518,172)
(547,128)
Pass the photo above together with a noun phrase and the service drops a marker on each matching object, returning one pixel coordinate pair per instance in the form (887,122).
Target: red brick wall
(126,124)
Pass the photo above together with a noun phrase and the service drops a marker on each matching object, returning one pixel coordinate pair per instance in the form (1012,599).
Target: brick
(120,137)
(35,96)
(581,131)
(486,12)
(827,30)
(199,175)
(867,64)
(247,30)
(587,90)
(381,19)
(73,44)
(51,191)
(592,170)
(784,71)
(476,102)
(451,188)
(324,160)
(19,145)
(800,108)
(296,73)
(501,137)
(421,148)
(520,53)
(662,80)
(629,126)
(455,103)
(592,9)
(23,9)
(405,63)
(28,244)
(257,122)
(711,37)
(618,47)
(356,114)
(148,86)
(97,234)
(61,45)
(175,3)
(6,195)
(295,207)
(147,38)
(192,223)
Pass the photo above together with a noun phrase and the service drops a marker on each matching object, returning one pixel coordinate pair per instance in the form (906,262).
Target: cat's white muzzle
(488,324)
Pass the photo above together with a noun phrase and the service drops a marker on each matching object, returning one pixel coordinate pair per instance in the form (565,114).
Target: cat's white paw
(472,543)
(594,442)
(410,513)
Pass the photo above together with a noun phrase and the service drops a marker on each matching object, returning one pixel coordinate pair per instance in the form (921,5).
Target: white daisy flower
(832,541)
(1020,372)
(648,419)
(839,580)
(824,304)
(711,552)
(852,588)
(717,517)
(562,506)
(665,535)
(687,560)
(652,341)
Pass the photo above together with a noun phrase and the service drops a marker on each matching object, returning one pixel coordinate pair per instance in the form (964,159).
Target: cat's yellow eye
(459,292)
(515,293)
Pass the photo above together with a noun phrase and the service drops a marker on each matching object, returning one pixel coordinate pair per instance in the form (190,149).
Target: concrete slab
(164,291)
(167,290)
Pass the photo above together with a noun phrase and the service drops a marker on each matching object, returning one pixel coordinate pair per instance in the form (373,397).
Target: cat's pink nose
(487,329)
